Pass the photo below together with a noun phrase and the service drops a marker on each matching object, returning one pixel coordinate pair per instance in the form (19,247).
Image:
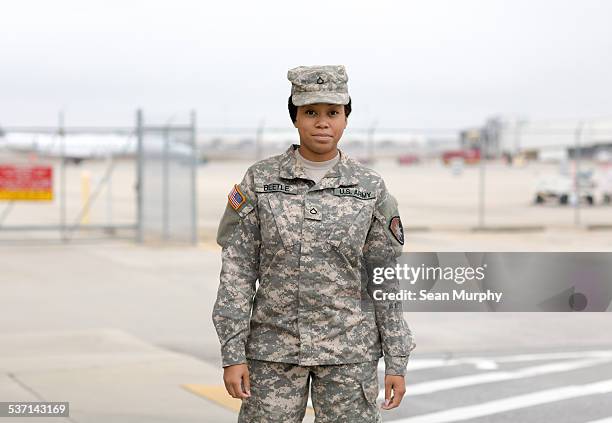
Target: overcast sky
(417,64)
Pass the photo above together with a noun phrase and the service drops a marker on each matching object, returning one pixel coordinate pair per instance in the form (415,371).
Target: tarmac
(431,197)
(107,375)
(124,332)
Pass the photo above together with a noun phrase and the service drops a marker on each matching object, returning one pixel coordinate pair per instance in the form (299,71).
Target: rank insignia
(396,228)
(236,198)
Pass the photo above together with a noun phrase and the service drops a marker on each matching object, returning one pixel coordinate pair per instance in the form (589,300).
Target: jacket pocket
(280,220)
(288,214)
(348,235)
(370,391)
(369,387)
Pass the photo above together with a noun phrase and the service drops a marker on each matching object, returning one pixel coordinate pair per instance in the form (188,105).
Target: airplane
(79,147)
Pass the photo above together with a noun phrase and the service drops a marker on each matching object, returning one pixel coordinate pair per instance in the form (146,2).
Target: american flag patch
(236,198)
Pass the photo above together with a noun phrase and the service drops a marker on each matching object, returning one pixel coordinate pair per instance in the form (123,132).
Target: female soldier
(310,225)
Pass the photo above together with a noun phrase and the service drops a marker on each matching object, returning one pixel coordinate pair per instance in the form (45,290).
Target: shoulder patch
(396,228)
(236,198)
(238,206)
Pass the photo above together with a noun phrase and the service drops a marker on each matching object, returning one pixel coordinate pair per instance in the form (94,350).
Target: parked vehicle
(562,188)
(605,186)
(469,156)
(408,159)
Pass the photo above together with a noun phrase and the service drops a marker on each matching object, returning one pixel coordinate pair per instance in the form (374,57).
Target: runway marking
(470,380)
(512,403)
(432,363)
(218,394)
(208,246)
(554,356)
(488,363)
(606,420)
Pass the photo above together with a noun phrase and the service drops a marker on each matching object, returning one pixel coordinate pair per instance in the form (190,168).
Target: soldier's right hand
(236,379)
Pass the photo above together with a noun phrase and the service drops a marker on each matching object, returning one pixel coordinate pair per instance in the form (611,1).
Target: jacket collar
(342,174)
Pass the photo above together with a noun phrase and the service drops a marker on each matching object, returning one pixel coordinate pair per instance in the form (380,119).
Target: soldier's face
(320,127)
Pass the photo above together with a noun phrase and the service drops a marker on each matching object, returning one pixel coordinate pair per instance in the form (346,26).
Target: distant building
(554,138)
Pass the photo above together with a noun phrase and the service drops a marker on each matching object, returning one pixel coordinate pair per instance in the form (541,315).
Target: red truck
(408,159)
(470,156)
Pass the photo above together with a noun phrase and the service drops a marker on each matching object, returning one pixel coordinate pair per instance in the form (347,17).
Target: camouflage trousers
(341,393)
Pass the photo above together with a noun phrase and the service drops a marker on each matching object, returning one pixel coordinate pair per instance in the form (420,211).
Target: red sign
(34,183)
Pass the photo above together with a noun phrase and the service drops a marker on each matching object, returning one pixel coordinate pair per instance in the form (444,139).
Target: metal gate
(99,182)
(167,163)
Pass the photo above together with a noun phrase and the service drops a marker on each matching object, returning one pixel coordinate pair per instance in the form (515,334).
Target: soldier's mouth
(322,137)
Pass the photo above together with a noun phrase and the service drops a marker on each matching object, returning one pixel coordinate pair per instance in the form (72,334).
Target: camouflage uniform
(343,393)
(311,247)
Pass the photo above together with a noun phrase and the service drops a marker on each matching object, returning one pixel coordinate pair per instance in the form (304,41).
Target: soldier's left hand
(397,384)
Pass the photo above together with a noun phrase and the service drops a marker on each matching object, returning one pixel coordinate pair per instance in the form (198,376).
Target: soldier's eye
(333,112)
(310,112)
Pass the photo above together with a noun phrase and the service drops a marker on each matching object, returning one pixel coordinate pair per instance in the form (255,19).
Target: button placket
(312,212)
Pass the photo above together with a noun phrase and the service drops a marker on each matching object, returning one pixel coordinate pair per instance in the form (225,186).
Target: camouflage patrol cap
(318,84)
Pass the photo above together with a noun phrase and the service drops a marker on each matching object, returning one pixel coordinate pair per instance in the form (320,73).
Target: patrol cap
(318,84)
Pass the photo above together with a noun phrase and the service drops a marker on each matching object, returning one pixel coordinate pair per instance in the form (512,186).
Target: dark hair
(293,109)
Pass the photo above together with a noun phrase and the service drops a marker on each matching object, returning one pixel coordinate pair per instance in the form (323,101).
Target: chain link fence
(489,177)
(84,183)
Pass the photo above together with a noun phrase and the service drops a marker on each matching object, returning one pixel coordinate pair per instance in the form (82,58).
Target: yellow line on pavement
(216,394)
(219,395)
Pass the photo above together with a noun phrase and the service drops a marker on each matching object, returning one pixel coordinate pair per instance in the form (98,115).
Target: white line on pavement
(512,403)
(470,380)
(486,362)
(606,420)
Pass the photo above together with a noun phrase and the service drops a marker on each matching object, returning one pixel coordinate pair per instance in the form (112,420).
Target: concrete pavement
(119,330)
(106,375)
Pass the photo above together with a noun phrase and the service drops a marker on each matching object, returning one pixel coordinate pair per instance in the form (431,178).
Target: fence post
(165,185)
(61,132)
(109,192)
(194,179)
(139,177)
(481,192)
(370,141)
(259,141)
